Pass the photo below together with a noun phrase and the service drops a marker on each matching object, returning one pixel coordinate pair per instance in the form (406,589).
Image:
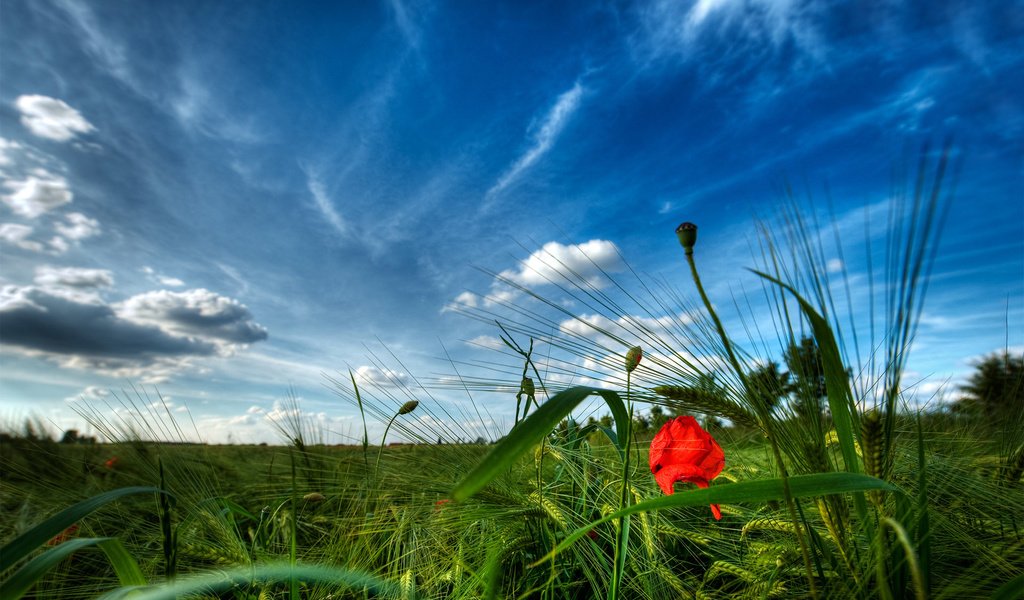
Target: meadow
(834,485)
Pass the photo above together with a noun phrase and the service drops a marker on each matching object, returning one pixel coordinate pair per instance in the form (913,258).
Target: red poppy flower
(440,503)
(112,462)
(63,536)
(682,451)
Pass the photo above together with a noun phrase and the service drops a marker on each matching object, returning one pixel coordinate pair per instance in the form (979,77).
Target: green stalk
(405,409)
(765,421)
(383,441)
(622,539)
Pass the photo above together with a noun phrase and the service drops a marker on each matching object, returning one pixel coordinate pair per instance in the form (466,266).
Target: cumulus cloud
(77,226)
(164,280)
(544,137)
(51,118)
(198,312)
(381,377)
(48,276)
(555,261)
(487,341)
(37,194)
(630,328)
(151,336)
(17,235)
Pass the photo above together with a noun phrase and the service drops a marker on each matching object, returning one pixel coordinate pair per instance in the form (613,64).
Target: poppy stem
(763,417)
(622,539)
(383,440)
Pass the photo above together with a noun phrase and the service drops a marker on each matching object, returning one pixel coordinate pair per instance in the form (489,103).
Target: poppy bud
(687,234)
(633,357)
(408,407)
(527,386)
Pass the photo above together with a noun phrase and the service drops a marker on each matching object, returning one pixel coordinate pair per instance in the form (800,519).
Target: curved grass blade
(128,572)
(837,383)
(1011,590)
(24,544)
(221,581)
(533,430)
(818,484)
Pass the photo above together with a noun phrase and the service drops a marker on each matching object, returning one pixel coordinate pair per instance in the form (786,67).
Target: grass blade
(533,430)
(837,383)
(23,579)
(18,549)
(819,484)
(220,581)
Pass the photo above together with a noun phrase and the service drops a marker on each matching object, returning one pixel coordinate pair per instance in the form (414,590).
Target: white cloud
(58,245)
(546,135)
(155,277)
(555,261)
(37,194)
(51,118)
(197,312)
(48,276)
(675,28)
(630,328)
(323,204)
(6,146)
(834,265)
(17,235)
(487,341)
(78,227)
(149,337)
(170,281)
(381,377)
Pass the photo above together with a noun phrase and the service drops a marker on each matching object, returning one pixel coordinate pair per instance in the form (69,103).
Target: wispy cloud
(324,205)
(673,29)
(544,138)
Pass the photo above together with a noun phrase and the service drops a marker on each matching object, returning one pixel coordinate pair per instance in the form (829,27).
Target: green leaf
(837,383)
(534,429)
(19,549)
(220,581)
(1011,590)
(125,566)
(819,484)
(128,572)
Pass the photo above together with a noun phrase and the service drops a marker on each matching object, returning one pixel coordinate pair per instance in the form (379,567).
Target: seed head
(687,234)
(633,357)
(408,407)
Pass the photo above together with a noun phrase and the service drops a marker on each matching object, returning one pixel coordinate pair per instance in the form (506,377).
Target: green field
(834,485)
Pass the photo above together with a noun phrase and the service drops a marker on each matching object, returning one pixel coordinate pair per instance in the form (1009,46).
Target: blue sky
(224,200)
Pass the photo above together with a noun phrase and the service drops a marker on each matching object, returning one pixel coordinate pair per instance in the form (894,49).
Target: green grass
(872,498)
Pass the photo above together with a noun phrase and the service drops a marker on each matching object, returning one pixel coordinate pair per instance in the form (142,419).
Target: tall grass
(853,493)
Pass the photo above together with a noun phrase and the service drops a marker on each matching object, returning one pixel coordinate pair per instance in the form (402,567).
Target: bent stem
(765,423)
(383,440)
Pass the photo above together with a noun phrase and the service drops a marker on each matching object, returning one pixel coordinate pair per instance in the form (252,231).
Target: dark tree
(996,389)
(807,373)
(658,417)
(768,386)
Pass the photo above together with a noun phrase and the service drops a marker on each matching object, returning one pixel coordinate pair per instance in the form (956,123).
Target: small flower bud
(633,357)
(687,234)
(527,386)
(408,407)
